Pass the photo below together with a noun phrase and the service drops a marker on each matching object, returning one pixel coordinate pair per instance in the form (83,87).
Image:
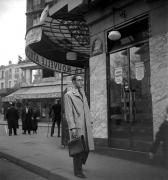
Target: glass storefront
(130,104)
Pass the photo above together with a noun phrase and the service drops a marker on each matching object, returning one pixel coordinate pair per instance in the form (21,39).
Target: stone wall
(98,95)
(159,77)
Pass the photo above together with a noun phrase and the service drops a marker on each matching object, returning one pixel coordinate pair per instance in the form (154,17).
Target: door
(130,111)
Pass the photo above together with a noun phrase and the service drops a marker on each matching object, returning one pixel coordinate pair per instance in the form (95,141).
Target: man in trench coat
(78,116)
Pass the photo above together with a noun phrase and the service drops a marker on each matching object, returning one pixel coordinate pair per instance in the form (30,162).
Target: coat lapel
(76,93)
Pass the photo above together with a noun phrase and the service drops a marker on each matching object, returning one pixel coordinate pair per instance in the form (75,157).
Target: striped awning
(39,92)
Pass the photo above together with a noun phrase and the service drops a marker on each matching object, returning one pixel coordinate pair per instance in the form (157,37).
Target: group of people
(29,117)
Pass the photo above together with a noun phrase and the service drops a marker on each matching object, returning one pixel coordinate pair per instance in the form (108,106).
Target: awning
(38,92)
(54,37)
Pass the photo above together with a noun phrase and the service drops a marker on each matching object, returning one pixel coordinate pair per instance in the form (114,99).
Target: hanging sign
(139,70)
(118,75)
(50,64)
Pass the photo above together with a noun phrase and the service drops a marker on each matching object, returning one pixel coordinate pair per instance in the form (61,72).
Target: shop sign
(118,75)
(97,47)
(47,63)
(139,70)
(34,35)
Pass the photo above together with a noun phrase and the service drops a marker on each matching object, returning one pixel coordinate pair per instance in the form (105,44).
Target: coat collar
(76,92)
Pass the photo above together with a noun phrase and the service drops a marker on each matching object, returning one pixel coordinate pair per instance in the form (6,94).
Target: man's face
(78,82)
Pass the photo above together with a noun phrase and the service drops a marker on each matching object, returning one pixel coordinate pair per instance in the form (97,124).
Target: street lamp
(114,35)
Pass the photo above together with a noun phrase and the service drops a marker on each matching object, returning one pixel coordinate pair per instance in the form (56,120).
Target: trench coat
(78,116)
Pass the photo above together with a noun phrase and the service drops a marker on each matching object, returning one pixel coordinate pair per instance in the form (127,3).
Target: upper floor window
(10,84)
(16,70)
(2,85)
(10,73)
(36,4)
(2,74)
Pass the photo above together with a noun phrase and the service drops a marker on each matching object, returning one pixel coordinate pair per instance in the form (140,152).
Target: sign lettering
(47,63)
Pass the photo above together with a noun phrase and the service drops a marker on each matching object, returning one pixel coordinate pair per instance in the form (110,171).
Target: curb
(33,168)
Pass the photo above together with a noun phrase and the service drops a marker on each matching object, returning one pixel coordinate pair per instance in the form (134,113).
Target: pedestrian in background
(78,116)
(35,116)
(55,114)
(12,116)
(26,119)
(161,136)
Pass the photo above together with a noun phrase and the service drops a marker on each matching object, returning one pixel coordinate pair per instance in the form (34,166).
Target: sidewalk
(46,157)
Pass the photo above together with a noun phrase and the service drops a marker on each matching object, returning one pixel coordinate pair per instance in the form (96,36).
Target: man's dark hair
(74,78)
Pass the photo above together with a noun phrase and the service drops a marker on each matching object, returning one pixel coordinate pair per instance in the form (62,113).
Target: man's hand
(74,133)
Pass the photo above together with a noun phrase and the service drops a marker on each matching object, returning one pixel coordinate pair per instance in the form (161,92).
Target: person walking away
(35,116)
(12,116)
(78,116)
(26,119)
(161,136)
(55,114)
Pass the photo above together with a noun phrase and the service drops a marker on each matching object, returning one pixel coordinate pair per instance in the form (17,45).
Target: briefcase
(76,146)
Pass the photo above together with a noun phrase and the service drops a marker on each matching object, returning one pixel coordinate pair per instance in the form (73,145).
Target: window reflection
(130,98)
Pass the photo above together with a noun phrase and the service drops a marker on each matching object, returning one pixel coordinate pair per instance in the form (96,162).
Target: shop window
(137,31)
(47,73)
(130,103)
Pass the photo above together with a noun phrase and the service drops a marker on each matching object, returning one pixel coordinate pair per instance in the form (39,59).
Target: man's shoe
(80,175)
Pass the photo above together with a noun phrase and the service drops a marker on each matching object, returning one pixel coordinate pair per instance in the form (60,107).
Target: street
(10,171)
(45,156)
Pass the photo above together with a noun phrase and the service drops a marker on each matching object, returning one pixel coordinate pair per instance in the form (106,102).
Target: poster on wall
(118,75)
(139,70)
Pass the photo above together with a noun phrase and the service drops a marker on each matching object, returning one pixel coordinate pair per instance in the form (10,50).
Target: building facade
(26,82)
(121,47)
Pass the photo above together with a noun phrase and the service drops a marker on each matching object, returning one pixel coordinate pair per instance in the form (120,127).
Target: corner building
(126,77)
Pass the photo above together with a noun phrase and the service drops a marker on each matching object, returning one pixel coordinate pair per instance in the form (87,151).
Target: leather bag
(76,146)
